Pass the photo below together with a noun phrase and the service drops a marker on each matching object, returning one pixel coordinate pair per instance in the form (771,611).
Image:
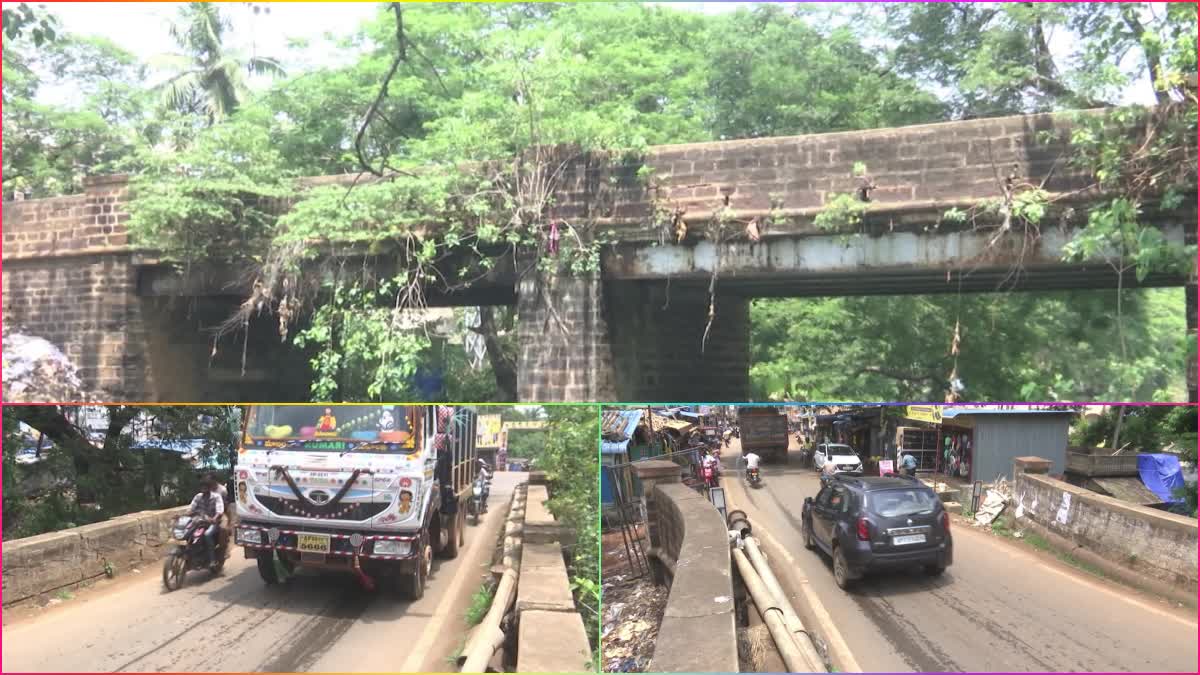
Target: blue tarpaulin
(1162,475)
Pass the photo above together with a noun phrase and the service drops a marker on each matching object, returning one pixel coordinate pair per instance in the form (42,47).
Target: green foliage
(50,148)
(1052,346)
(208,79)
(481,602)
(357,347)
(841,212)
(1144,428)
(211,201)
(22,18)
(82,480)
(571,463)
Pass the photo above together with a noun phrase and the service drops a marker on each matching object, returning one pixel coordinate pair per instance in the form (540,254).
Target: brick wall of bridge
(70,275)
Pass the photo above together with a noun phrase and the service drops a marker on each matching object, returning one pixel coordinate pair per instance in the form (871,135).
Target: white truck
(372,490)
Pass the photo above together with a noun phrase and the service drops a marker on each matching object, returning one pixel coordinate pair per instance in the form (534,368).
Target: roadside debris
(998,497)
(633,610)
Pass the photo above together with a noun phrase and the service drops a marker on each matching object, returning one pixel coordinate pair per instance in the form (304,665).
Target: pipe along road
(235,622)
(1001,606)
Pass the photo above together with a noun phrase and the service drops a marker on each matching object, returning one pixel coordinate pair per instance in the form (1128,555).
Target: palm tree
(210,80)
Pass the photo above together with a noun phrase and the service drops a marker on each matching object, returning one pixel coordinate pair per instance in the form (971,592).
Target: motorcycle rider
(485,477)
(710,462)
(908,465)
(752,461)
(210,507)
(828,469)
(224,526)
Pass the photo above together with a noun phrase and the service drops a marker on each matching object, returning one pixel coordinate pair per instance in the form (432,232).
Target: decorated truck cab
(371,490)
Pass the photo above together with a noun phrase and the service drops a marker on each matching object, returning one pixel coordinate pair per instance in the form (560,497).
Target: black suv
(873,523)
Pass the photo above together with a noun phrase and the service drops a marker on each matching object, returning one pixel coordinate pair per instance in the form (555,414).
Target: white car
(843,457)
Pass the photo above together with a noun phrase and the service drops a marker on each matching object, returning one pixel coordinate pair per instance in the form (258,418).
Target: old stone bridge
(140,331)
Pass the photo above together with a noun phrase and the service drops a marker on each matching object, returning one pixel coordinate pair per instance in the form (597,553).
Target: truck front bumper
(374,546)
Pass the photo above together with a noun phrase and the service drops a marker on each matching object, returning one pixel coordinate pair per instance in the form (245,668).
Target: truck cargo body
(372,490)
(765,431)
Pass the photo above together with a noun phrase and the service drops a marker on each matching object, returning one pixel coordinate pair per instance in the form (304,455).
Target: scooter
(190,552)
(710,476)
(753,478)
(478,503)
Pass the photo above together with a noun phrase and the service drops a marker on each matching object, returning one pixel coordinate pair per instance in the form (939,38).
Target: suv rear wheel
(841,569)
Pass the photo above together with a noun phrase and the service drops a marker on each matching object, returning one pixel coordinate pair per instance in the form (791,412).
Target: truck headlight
(249,536)
(390,547)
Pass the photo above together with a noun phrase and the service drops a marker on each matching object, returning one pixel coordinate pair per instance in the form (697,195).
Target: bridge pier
(563,347)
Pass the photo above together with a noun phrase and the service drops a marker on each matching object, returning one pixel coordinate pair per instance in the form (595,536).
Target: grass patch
(64,595)
(1040,543)
(1037,541)
(1002,526)
(481,602)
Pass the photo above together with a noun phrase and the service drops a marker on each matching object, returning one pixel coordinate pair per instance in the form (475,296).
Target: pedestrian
(908,464)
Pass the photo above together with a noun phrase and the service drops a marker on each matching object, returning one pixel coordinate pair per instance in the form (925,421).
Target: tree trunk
(504,366)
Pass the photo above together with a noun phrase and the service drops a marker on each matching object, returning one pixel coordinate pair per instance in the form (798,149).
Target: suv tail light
(946,523)
(864,530)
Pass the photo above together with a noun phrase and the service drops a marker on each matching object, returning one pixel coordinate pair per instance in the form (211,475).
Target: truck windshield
(342,428)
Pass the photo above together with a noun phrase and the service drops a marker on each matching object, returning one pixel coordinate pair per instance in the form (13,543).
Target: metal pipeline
(796,627)
(772,615)
(488,637)
(763,575)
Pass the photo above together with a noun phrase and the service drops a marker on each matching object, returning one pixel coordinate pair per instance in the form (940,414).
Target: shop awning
(616,430)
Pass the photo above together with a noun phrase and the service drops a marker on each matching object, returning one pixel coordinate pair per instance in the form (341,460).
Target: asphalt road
(236,623)
(1001,607)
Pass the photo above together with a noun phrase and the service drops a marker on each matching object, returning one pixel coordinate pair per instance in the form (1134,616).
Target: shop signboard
(886,467)
(489,431)
(924,413)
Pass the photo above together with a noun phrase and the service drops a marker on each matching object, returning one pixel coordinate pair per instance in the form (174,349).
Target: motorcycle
(753,478)
(478,503)
(710,476)
(190,552)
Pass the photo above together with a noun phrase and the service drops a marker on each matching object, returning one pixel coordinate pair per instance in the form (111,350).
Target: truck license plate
(313,543)
(908,539)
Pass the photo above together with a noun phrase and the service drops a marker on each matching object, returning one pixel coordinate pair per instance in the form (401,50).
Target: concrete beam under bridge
(890,264)
(497,287)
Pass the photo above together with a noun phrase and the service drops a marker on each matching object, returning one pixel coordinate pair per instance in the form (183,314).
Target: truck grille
(294,507)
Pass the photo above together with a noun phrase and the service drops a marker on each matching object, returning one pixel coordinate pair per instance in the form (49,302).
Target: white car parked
(843,457)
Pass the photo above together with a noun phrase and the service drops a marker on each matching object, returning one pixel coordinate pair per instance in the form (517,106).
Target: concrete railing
(551,637)
(690,544)
(1140,545)
(64,559)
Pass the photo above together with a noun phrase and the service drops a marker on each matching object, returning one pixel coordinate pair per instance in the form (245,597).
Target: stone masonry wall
(1147,541)
(656,331)
(62,559)
(563,346)
(911,166)
(70,277)
(698,632)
